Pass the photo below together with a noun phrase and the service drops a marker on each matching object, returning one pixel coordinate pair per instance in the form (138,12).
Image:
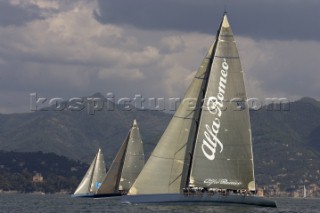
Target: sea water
(64,203)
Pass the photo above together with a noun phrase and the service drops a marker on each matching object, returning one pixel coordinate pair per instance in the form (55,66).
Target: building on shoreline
(37,178)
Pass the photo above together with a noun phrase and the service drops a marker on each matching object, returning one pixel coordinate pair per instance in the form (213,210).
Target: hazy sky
(74,48)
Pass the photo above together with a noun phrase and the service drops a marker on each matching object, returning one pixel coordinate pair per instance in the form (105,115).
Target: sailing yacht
(126,166)
(205,154)
(92,180)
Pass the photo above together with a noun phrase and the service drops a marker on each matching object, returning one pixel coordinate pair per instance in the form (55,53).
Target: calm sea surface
(64,203)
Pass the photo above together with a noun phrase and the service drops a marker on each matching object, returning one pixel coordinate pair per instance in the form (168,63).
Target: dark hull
(206,199)
(96,195)
(107,195)
(82,196)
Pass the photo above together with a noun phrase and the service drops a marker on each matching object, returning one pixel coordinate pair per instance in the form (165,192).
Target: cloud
(68,53)
(129,74)
(284,68)
(71,54)
(272,19)
(15,14)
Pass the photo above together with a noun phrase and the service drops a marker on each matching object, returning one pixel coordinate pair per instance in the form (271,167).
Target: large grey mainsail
(223,152)
(93,177)
(166,170)
(191,130)
(127,164)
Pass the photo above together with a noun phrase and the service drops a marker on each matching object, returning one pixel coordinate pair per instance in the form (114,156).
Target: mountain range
(286,142)
(78,134)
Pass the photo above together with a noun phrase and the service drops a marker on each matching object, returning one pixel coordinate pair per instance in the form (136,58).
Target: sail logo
(214,105)
(98,184)
(210,181)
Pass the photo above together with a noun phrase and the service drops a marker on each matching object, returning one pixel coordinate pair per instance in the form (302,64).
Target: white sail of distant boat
(126,166)
(206,149)
(304,191)
(93,178)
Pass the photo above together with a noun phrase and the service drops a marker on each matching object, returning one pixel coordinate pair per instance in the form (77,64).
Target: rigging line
(179,149)
(191,111)
(175,179)
(201,78)
(162,157)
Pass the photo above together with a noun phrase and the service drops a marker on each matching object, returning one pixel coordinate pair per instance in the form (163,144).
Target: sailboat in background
(126,166)
(92,180)
(304,191)
(205,154)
